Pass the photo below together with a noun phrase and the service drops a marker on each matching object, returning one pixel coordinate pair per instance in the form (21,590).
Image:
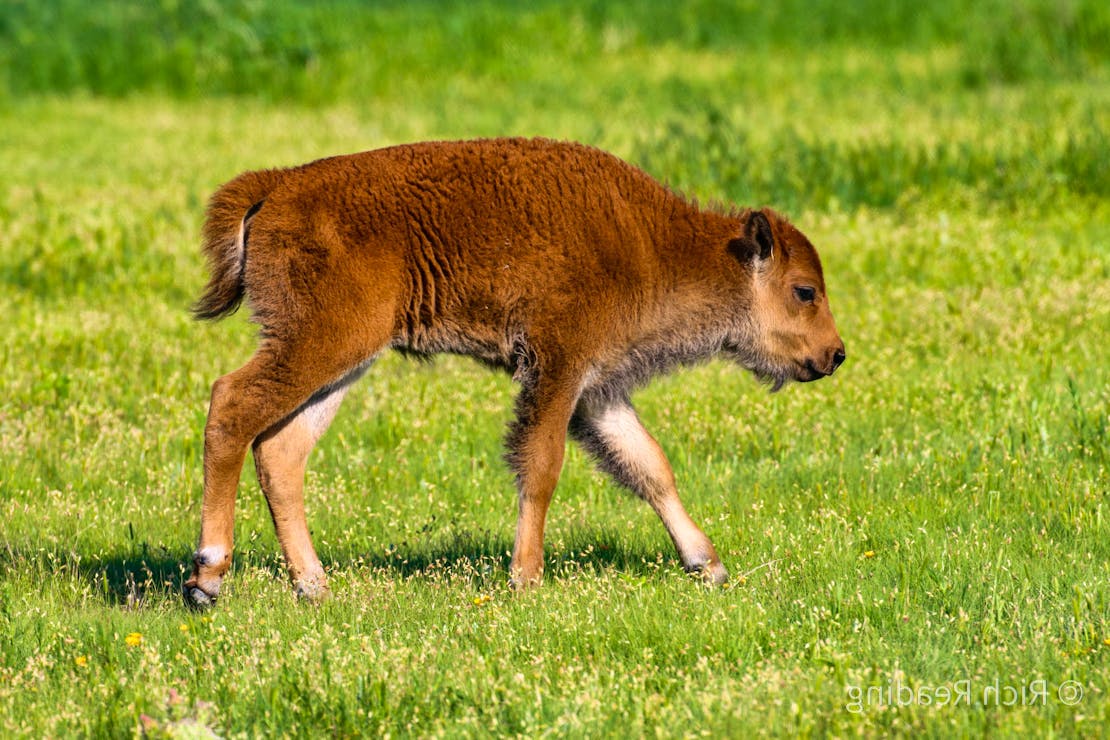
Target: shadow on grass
(124,579)
(487,553)
(128,579)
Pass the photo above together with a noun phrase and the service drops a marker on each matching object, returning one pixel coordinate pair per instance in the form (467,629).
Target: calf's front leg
(536,445)
(610,430)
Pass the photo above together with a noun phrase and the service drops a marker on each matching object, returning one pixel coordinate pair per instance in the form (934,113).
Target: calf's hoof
(312,590)
(520,583)
(203,585)
(711,574)
(198,598)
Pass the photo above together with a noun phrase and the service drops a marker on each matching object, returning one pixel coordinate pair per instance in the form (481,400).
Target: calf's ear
(757,242)
(758,231)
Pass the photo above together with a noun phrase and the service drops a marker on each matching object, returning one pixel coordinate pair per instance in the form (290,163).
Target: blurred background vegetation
(866,103)
(317,52)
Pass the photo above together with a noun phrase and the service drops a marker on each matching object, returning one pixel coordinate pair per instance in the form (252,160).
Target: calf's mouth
(810,370)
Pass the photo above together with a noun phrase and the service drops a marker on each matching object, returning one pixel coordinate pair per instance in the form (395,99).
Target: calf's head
(791,333)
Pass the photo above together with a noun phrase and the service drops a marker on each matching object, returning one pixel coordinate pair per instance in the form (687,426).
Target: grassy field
(919,545)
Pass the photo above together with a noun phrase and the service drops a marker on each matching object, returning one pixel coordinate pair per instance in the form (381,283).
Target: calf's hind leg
(610,430)
(277,381)
(280,456)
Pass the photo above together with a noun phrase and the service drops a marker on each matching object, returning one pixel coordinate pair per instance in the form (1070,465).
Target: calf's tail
(226,227)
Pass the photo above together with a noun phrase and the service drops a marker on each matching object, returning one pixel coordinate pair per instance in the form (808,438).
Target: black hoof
(197,599)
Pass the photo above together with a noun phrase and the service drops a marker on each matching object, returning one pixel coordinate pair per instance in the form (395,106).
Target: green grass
(935,513)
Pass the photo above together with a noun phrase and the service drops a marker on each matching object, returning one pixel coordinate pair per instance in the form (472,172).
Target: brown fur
(565,266)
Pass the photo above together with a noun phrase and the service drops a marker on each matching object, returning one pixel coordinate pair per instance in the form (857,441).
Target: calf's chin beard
(775,379)
(765,372)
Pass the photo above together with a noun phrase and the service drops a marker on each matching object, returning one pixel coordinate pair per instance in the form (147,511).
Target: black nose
(838,359)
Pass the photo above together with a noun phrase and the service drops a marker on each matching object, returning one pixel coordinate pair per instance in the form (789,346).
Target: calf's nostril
(838,358)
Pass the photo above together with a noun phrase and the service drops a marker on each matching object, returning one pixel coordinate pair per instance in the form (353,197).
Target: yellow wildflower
(183,627)
(134,639)
(81,661)
(869,554)
(483,599)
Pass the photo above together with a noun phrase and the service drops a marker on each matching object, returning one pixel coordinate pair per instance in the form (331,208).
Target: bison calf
(572,270)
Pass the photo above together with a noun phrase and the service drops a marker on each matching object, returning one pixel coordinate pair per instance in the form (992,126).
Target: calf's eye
(805,294)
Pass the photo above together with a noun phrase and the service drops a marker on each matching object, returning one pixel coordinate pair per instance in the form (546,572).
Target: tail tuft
(226,227)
